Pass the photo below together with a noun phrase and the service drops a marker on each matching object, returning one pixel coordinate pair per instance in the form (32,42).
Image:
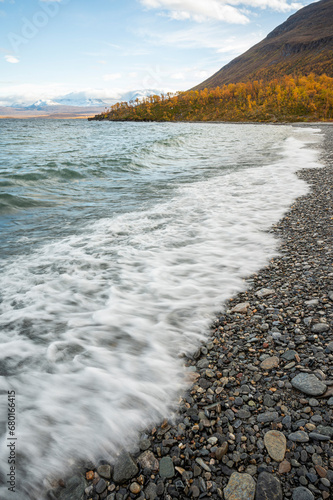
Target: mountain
(139,94)
(301,45)
(73,105)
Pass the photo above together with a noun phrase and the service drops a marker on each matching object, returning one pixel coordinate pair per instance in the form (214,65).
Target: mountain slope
(301,45)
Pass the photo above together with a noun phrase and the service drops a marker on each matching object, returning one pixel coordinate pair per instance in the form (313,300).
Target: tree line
(299,98)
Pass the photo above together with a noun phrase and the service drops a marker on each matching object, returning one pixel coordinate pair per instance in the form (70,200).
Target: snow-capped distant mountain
(140,94)
(40,104)
(82,103)
(79,99)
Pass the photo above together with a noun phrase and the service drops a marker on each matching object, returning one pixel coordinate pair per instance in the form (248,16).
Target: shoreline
(242,423)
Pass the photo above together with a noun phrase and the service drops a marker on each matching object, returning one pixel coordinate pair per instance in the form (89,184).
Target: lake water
(119,243)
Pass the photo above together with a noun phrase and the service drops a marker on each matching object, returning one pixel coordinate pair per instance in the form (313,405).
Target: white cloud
(11,59)
(198,10)
(111,77)
(230,11)
(178,76)
(203,36)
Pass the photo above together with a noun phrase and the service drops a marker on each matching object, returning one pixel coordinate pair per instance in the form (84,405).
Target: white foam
(92,325)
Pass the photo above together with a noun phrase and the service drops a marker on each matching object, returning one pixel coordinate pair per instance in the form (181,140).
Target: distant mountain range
(300,46)
(75,104)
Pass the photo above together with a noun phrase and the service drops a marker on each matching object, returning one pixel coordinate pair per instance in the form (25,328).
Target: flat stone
(326,430)
(269,416)
(309,384)
(101,486)
(302,493)
(244,413)
(299,437)
(276,445)
(144,444)
(264,292)
(320,328)
(289,355)
(104,471)
(284,467)
(241,308)
(240,487)
(321,471)
(125,468)
(148,460)
(318,437)
(328,393)
(270,363)
(167,469)
(221,451)
(202,464)
(268,487)
(151,491)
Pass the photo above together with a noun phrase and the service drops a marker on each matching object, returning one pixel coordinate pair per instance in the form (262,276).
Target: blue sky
(105,47)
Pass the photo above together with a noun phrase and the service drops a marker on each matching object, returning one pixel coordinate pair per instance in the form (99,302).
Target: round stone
(167,469)
(135,488)
(240,487)
(309,384)
(276,444)
(302,493)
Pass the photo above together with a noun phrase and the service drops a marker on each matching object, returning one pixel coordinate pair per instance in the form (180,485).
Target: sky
(103,48)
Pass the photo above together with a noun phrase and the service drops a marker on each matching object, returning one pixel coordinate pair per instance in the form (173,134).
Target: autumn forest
(284,99)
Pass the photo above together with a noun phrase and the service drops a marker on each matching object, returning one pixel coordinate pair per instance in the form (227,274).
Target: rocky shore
(257,421)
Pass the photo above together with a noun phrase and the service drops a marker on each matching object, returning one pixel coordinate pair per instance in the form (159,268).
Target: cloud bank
(220,10)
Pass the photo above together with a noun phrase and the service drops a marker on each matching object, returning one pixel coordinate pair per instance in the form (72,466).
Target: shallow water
(118,244)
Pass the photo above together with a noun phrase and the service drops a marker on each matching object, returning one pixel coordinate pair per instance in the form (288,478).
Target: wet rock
(166,469)
(104,471)
(148,460)
(309,384)
(240,487)
(276,445)
(101,486)
(125,468)
(268,487)
(74,489)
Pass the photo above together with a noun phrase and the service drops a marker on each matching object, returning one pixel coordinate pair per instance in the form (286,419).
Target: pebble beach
(256,422)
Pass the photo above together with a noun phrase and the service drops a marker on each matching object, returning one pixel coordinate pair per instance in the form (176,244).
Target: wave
(11,202)
(94,323)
